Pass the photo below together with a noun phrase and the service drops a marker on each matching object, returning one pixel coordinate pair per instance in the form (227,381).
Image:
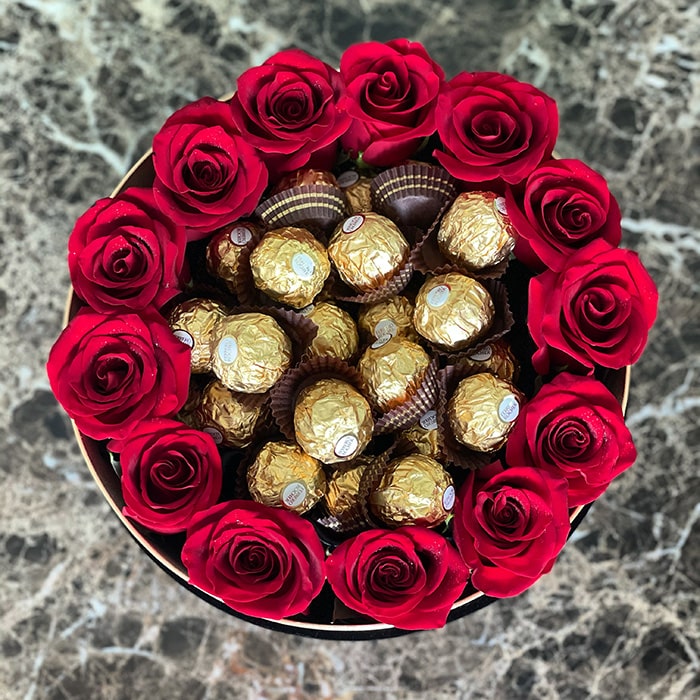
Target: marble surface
(84,84)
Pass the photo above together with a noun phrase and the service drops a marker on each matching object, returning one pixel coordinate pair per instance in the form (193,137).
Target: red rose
(392,94)
(597,310)
(573,428)
(207,175)
(111,372)
(169,473)
(509,526)
(408,577)
(124,253)
(261,561)
(493,127)
(287,108)
(565,206)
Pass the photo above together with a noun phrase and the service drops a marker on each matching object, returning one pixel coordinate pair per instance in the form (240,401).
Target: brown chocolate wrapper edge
(369,481)
(453,450)
(410,411)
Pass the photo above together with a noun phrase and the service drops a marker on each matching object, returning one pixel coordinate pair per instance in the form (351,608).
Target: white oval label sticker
(448,498)
(303,266)
(428,421)
(385,327)
(240,235)
(346,446)
(227,350)
(437,296)
(501,205)
(307,310)
(381,341)
(351,224)
(348,178)
(482,355)
(215,434)
(508,409)
(184,337)
(293,494)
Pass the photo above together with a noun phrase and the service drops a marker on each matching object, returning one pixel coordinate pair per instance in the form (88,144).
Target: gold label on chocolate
(508,409)
(448,498)
(227,350)
(293,494)
(184,337)
(303,266)
(346,446)
(428,421)
(438,296)
(353,223)
(385,327)
(348,178)
(240,235)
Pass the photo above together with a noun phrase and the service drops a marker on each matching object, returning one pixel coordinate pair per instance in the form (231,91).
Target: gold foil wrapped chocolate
(332,421)
(424,435)
(225,248)
(357,191)
(193,322)
(482,411)
(343,491)
(284,476)
(290,266)
(229,417)
(392,369)
(394,316)
(476,232)
(495,357)
(188,413)
(250,352)
(367,249)
(453,311)
(306,176)
(337,332)
(413,490)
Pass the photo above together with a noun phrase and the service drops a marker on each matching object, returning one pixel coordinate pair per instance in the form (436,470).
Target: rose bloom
(261,561)
(111,372)
(170,472)
(509,526)
(494,128)
(564,207)
(124,253)
(597,310)
(408,577)
(392,94)
(573,428)
(206,174)
(288,110)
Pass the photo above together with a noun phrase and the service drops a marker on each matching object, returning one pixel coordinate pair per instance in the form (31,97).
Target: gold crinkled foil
(337,332)
(342,494)
(188,413)
(283,476)
(414,490)
(290,266)
(424,435)
(367,249)
(453,310)
(225,248)
(250,352)
(332,421)
(476,233)
(307,176)
(496,358)
(229,417)
(358,196)
(482,411)
(392,369)
(394,316)
(193,322)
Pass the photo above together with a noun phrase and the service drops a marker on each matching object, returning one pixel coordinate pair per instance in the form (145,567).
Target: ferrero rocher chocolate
(495,357)
(392,369)
(225,248)
(188,413)
(332,421)
(357,191)
(394,316)
(229,417)
(414,490)
(337,333)
(482,411)
(290,266)
(307,176)
(250,352)
(284,476)
(476,232)
(453,311)
(367,250)
(424,435)
(342,494)
(192,323)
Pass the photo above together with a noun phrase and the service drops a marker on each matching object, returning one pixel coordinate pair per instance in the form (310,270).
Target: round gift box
(165,549)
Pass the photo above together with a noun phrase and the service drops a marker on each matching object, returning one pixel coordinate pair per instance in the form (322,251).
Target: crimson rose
(509,526)
(124,253)
(261,561)
(409,577)
(288,110)
(493,127)
(170,472)
(564,207)
(112,372)
(391,96)
(597,310)
(573,428)
(207,175)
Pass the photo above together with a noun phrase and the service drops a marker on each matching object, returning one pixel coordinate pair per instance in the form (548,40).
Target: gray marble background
(84,84)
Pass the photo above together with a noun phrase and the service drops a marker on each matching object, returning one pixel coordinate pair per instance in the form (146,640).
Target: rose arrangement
(123,377)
